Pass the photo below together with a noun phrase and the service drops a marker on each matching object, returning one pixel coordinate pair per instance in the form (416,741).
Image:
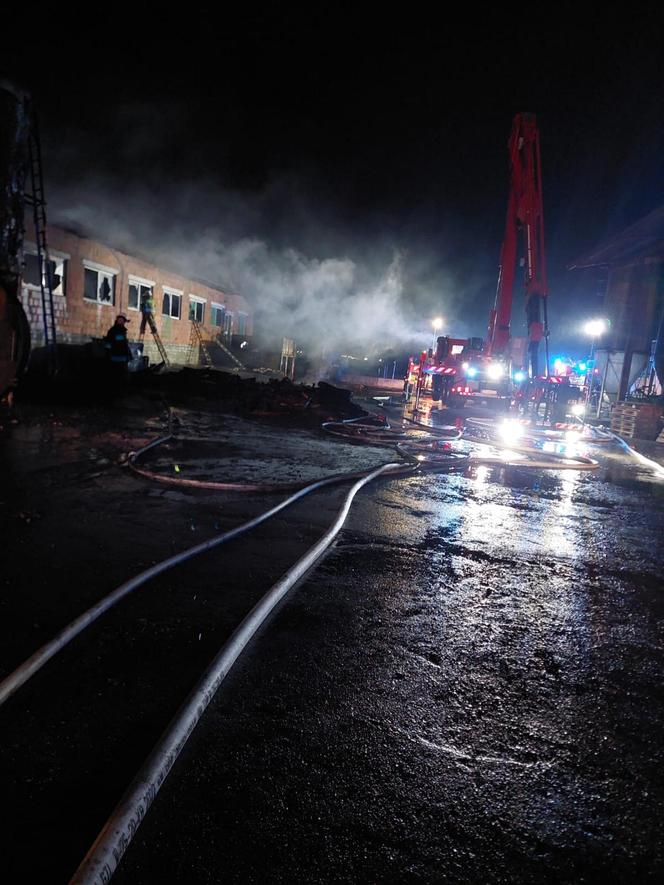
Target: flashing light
(572,437)
(578,409)
(558,366)
(510,431)
(519,377)
(471,371)
(465,366)
(582,367)
(494,371)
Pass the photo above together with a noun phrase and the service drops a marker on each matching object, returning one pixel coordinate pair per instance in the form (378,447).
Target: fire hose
(104,856)
(428,452)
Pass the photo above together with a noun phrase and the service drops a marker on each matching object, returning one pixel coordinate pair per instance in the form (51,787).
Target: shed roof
(643,239)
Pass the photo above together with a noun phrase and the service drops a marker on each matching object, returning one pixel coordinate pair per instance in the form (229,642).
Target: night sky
(330,138)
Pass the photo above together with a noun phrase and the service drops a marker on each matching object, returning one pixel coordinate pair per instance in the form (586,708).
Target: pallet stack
(641,420)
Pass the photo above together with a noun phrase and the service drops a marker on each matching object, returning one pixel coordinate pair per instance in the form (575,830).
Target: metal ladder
(37,200)
(195,337)
(228,353)
(157,339)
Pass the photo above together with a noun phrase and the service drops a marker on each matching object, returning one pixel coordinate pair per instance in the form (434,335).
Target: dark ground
(468,689)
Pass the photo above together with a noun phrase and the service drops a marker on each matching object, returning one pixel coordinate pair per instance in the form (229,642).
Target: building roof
(80,231)
(643,239)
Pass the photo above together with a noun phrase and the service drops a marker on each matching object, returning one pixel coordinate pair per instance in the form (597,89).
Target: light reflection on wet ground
(467,689)
(473,690)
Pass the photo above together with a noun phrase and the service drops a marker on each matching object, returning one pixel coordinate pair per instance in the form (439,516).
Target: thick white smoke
(377,298)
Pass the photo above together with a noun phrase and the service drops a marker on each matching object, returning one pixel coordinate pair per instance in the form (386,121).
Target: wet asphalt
(467,689)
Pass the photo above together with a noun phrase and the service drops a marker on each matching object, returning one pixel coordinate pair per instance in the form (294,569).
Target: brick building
(97,282)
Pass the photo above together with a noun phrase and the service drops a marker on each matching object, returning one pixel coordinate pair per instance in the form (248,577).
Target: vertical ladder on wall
(196,338)
(36,199)
(157,339)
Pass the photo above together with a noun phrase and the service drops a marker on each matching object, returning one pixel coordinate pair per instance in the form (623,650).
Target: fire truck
(500,369)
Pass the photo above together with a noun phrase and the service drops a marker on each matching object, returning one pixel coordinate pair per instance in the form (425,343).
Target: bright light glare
(494,371)
(471,372)
(595,328)
(558,365)
(582,367)
(465,366)
(510,431)
(437,323)
(572,436)
(578,409)
(519,377)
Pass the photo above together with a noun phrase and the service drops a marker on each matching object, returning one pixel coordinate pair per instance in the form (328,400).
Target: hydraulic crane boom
(524,234)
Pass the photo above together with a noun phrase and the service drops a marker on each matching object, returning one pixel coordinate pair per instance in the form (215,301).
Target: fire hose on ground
(424,453)
(106,853)
(428,452)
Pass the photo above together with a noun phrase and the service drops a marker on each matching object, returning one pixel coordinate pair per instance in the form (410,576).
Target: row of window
(99,286)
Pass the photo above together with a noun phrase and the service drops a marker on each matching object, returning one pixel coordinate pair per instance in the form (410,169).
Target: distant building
(631,268)
(98,282)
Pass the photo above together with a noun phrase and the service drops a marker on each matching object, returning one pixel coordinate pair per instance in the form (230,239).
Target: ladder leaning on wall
(36,199)
(240,365)
(157,339)
(196,338)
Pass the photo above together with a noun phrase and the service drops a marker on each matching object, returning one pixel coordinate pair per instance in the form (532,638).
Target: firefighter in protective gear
(147,310)
(118,350)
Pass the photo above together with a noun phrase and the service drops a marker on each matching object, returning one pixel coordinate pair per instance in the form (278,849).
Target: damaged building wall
(97,282)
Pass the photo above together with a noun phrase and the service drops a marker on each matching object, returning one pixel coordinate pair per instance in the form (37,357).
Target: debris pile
(251,397)
(83,380)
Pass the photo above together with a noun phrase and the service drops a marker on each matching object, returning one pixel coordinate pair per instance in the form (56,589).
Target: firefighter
(118,350)
(147,310)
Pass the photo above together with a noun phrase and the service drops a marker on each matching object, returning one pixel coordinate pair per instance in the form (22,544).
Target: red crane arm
(524,228)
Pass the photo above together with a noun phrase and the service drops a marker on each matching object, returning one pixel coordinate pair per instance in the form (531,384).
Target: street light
(437,324)
(595,329)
